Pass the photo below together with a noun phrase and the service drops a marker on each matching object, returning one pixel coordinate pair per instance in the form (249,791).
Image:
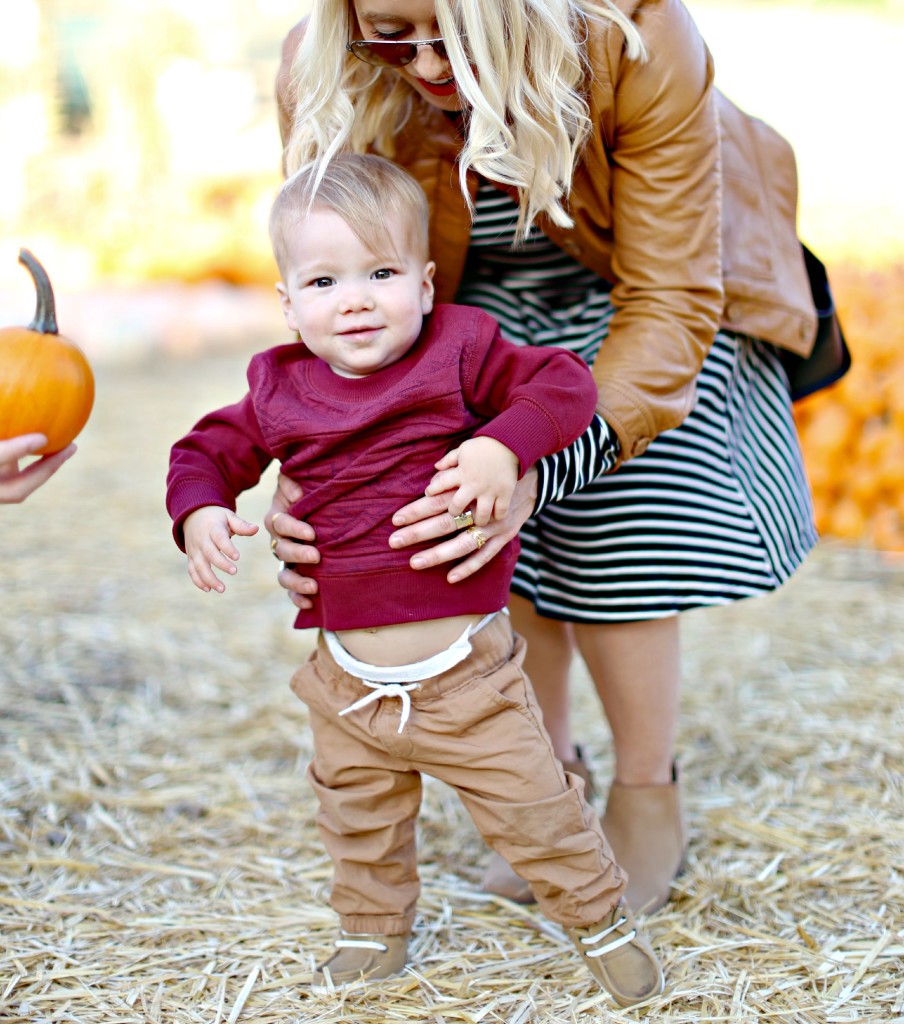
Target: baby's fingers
(483,509)
(448,461)
(220,547)
(201,569)
(241,527)
(462,500)
(446,480)
(500,508)
(204,578)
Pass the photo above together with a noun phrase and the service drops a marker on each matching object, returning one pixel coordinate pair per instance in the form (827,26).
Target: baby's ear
(427,288)
(286,304)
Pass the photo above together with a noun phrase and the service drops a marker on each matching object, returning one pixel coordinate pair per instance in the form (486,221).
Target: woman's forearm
(595,452)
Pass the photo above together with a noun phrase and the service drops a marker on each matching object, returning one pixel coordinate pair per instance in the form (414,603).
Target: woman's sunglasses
(391,53)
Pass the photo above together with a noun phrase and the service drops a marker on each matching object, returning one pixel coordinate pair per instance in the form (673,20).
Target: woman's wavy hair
(527,119)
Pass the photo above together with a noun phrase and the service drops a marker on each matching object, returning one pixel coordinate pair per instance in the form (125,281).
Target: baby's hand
(208,536)
(483,474)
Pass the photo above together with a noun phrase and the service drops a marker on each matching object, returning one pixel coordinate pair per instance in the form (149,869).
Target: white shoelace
(379,691)
(610,946)
(361,944)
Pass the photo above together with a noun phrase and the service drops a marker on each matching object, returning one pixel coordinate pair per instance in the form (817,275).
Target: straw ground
(159,857)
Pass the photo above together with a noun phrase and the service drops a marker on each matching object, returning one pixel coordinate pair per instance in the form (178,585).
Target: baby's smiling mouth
(362,329)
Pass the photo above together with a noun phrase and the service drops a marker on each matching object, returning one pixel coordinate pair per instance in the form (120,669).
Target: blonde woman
(590,188)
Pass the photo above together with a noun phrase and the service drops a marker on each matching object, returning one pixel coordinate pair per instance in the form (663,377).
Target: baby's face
(357,311)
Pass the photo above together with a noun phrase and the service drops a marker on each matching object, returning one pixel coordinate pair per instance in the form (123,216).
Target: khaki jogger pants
(476,727)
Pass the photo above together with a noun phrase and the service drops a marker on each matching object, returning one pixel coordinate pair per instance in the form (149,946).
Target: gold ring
(478,536)
(463,519)
(273,544)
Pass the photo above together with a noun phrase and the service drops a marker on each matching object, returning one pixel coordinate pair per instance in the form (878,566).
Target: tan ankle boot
(499,878)
(645,828)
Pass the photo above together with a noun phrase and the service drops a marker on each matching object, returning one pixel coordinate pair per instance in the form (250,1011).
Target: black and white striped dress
(714,510)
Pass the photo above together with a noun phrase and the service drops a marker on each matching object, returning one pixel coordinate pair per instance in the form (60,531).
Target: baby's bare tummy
(405,642)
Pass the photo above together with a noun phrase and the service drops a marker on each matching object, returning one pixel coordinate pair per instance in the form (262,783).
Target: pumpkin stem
(45,310)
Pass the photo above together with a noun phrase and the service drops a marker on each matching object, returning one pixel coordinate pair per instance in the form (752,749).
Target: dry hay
(159,859)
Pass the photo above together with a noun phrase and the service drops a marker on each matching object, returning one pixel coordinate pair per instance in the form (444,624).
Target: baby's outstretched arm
(208,533)
(483,473)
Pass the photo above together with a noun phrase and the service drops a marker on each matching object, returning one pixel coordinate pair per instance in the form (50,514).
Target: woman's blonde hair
(366,191)
(526,93)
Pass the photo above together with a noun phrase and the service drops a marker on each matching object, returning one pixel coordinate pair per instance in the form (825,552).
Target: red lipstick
(441,89)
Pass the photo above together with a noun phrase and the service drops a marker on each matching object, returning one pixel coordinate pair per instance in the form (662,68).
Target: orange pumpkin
(46,384)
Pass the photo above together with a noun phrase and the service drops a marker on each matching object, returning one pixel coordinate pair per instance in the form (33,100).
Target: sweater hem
(381,597)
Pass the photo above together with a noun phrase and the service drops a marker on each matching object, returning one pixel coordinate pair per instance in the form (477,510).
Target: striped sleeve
(595,452)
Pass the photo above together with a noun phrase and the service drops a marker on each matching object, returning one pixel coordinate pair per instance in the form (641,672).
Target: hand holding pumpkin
(16,484)
(46,384)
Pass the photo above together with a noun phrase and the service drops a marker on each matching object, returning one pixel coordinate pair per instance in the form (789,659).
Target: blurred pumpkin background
(141,153)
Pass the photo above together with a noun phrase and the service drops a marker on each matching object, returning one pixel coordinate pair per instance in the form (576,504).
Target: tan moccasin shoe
(619,957)
(360,959)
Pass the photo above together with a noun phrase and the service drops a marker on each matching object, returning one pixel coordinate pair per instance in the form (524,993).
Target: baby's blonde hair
(365,191)
(526,92)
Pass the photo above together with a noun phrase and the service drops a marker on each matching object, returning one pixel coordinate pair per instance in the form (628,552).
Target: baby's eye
(322,282)
(383,274)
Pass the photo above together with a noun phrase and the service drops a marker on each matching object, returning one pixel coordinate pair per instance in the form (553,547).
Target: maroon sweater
(363,447)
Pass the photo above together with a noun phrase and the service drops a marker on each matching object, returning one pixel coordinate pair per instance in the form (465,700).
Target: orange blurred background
(140,155)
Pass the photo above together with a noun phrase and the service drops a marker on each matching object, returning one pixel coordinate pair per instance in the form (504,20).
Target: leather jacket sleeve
(661,134)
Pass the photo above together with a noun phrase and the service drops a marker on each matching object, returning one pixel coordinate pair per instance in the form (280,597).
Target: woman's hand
(428,518)
(292,543)
(16,484)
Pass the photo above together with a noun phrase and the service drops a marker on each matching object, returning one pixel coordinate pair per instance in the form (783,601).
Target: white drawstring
(380,690)
(397,680)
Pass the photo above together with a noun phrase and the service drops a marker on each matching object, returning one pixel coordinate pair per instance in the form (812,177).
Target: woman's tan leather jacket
(687,205)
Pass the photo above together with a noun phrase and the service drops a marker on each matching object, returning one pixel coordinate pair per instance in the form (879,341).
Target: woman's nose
(428,65)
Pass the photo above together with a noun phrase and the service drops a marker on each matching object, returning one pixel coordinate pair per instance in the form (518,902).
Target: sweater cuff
(529,435)
(188,496)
